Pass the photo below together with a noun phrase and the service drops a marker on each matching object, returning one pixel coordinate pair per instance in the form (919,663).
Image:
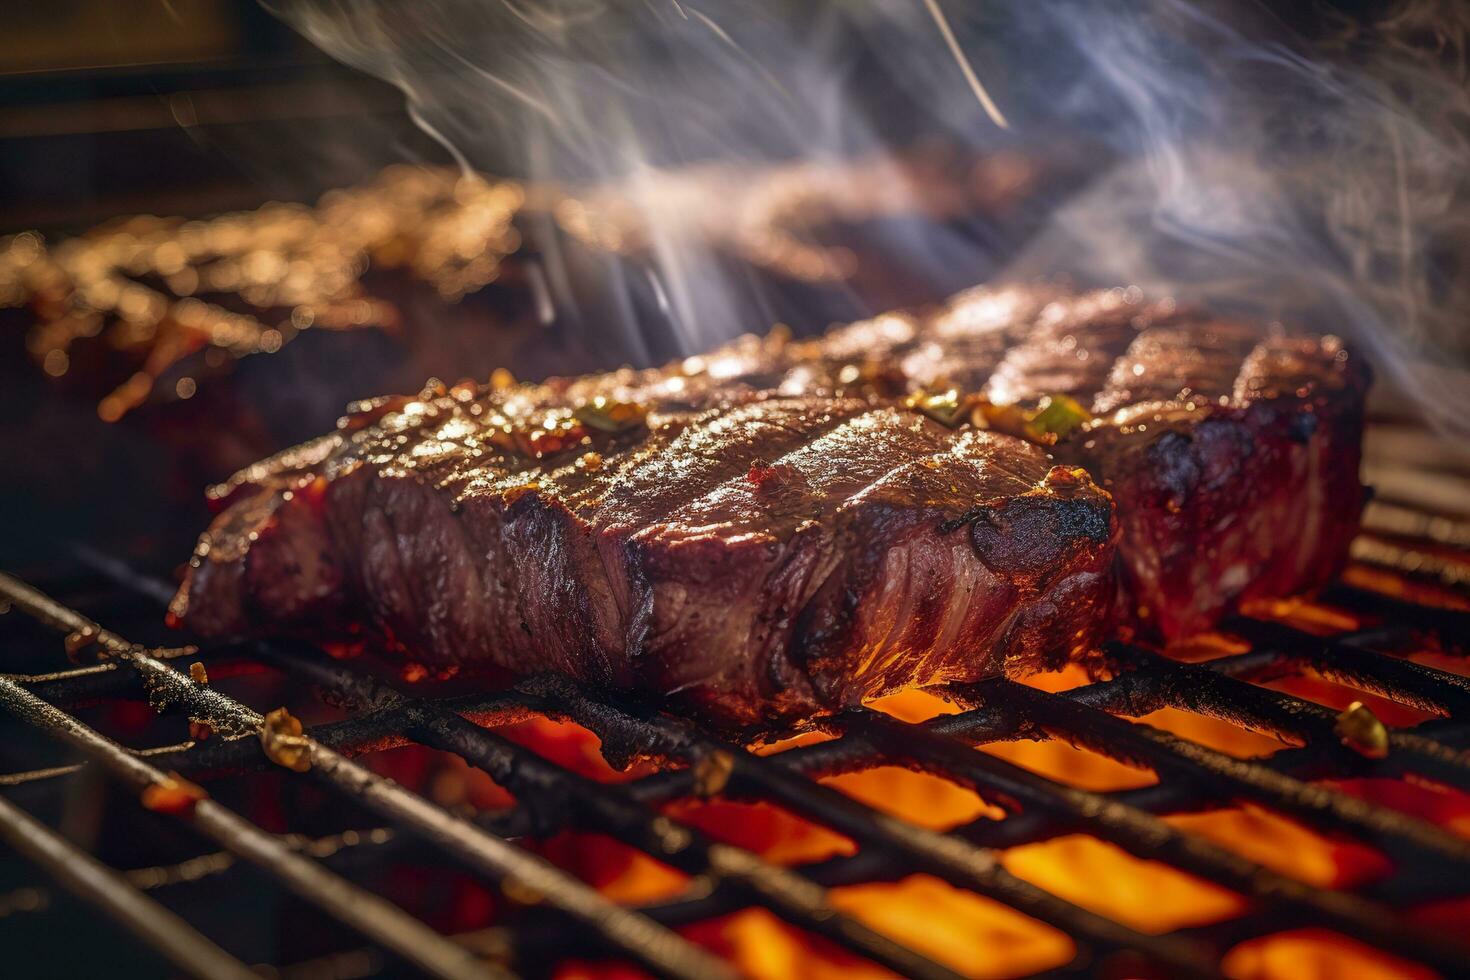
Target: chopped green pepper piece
(1056,416)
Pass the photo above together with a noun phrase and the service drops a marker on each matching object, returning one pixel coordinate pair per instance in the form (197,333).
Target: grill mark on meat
(812,480)
(1198,360)
(1071,347)
(704,456)
(717,570)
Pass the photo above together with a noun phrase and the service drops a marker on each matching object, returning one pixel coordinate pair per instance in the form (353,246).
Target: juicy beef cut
(1231,452)
(779,528)
(762,559)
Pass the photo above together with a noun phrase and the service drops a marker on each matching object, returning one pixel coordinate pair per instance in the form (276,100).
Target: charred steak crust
(1231,452)
(1235,489)
(779,535)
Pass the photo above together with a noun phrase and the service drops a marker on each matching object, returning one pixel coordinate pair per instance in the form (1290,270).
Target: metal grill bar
(1404,681)
(1138,832)
(1138,744)
(798,900)
(1018,829)
(1218,694)
(1451,625)
(957,862)
(659,948)
(355,907)
(1146,836)
(92,881)
(552,797)
(1014,711)
(1134,829)
(663,950)
(362,910)
(1360,918)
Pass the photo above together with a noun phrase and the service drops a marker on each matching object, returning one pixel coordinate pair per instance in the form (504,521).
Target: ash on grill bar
(766,489)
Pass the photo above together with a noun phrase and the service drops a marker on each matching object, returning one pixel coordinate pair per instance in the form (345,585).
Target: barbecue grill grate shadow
(567,917)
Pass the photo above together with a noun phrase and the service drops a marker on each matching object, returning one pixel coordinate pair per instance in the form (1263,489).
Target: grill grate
(564,916)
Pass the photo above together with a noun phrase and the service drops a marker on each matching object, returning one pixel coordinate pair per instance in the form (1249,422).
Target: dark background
(186,107)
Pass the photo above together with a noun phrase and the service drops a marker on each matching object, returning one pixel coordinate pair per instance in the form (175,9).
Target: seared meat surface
(1244,487)
(1231,452)
(761,560)
(773,530)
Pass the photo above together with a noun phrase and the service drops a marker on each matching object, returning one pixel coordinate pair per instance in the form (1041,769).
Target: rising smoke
(1231,160)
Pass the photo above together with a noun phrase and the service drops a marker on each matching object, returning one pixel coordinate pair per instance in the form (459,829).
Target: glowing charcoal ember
(175,795)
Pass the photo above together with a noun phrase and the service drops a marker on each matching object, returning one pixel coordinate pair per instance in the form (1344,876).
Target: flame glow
(982,938)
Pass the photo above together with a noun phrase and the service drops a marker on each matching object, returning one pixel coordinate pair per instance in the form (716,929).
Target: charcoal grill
(552,916)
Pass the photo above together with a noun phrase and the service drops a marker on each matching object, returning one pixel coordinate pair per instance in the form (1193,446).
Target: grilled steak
(783,532)
(1232,453)
(1245,486)
(763,558)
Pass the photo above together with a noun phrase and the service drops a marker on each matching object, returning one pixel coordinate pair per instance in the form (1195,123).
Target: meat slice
(758,560)
(1232,453)
(783,533)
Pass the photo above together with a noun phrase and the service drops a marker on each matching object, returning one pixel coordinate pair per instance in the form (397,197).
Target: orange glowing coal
(977,936)
(982,938)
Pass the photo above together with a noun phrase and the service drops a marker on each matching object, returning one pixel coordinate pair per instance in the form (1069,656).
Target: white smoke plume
(1313,173)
